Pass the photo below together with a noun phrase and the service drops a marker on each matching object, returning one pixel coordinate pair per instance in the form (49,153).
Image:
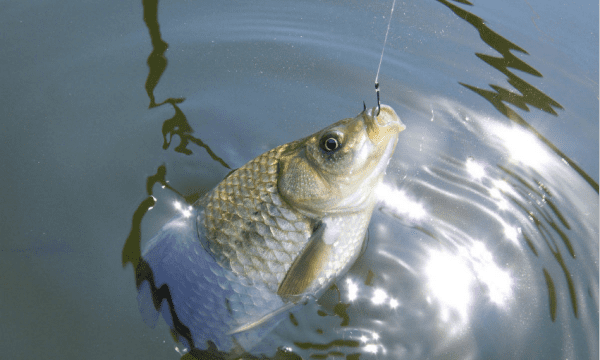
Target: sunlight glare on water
(511,233)
(398,201)
(379,297)
(186,211)
(498,281)
(522,145)
(352,289)
(475,169)
(453,278)
(496,192)
(450,281)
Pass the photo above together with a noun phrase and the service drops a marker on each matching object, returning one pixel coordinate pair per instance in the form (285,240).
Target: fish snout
(383,125)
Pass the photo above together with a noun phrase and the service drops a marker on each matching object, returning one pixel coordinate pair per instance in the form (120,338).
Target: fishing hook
(378,102)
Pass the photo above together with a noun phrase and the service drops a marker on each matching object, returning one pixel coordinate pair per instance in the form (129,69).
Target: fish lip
(382,132)
(382,123)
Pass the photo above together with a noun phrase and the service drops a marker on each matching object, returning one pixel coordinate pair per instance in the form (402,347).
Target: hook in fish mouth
(386,123)
(378,101)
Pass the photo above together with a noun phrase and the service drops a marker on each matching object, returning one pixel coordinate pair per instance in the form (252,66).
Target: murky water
(485,241)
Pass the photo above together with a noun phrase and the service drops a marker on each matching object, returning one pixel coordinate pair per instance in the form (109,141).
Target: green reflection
(551,294)
(325,356)
(541,211)
(500,97)
(334,343)
(534,199)
(530,244)
(340,310)
(178,125)
(369,279)
(212,353)
(293,319)
(157,63)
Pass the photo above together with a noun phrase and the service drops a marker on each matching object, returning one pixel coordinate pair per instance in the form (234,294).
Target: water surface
(485,242)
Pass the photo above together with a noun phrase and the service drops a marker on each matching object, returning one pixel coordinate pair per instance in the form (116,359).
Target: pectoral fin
(301,274)
(307,266)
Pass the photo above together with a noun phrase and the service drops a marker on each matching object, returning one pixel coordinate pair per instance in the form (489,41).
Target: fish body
(273,234)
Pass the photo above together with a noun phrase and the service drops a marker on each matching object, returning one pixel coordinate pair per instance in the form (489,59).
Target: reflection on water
(452,278)
(499,239)
(157,63)
(548,234)
(530,95)
(400,203)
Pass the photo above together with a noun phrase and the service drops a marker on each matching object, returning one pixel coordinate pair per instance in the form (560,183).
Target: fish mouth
(382,123)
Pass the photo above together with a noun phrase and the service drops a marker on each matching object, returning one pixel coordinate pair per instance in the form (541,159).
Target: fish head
(337,169)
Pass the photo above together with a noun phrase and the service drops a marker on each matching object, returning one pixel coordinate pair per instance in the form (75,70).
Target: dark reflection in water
(157,63)
(530,95)
(178,125)
(551,294)
(538,197)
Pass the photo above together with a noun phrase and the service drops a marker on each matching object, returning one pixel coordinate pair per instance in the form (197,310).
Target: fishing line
(381,59)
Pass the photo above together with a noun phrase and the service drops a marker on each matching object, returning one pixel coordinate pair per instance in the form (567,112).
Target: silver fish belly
(273,234)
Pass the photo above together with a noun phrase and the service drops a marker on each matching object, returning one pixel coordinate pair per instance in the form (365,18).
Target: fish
(271,236)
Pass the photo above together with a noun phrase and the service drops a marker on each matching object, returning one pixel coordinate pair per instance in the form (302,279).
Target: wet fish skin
(275,232)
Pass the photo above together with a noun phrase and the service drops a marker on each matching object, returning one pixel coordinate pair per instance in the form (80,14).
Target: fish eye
(330,143)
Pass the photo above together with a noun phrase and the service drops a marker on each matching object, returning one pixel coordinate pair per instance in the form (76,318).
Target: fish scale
(230,221)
